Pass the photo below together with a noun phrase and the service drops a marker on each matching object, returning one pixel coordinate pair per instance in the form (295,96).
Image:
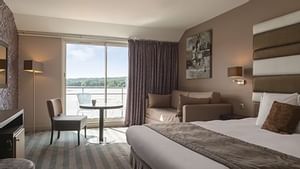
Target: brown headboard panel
(276,56)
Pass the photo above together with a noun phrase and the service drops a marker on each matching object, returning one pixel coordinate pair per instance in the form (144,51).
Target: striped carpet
(65,154)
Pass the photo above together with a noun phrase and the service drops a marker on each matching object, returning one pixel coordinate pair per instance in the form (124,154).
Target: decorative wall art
(199,55)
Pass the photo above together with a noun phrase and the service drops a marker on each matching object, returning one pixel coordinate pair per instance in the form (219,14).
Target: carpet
(65,154)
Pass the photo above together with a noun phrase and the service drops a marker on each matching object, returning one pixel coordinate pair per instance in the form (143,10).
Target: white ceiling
(150,15)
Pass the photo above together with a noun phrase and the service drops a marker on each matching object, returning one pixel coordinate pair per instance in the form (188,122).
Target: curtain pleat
(153,68)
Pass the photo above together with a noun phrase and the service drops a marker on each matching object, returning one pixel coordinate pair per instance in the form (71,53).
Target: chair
(60,122)
(83,98)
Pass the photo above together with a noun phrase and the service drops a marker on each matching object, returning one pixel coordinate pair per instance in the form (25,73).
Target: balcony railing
(114,96)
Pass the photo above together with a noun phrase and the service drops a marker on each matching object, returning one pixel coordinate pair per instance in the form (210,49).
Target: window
(97,72)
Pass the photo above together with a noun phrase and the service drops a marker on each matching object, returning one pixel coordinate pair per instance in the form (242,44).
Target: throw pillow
(267,101)
(283,118)
(159,101)
(185,100)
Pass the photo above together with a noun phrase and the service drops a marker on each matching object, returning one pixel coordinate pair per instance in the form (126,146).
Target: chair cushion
(69,122)
(162,114)
(69,118)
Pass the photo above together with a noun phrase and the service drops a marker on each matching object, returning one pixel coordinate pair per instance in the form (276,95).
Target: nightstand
(232,116)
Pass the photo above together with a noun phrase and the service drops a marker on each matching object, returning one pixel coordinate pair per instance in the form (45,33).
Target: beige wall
(232,45)
(47,85)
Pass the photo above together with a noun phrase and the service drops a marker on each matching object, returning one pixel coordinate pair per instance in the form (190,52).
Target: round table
(101,109)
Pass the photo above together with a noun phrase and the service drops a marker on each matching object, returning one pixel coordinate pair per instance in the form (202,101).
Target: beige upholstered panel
(276,45)
(277,37)
(278,22)
(277,84)
(285,50)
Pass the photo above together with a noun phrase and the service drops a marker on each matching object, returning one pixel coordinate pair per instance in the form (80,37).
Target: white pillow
(267,101)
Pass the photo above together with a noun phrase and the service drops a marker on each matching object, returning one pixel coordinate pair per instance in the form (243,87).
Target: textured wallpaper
(8,34)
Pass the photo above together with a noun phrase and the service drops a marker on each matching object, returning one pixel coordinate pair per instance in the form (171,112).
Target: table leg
(101,125)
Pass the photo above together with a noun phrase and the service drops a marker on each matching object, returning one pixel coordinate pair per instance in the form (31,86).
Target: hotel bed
(276,58)
(159,152)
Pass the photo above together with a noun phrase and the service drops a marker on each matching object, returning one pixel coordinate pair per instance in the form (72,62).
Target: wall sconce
(236,73)
(33,67)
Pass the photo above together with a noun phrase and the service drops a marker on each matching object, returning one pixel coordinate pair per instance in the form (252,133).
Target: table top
(101,106)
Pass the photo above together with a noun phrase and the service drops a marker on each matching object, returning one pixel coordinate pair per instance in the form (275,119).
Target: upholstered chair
(61,122)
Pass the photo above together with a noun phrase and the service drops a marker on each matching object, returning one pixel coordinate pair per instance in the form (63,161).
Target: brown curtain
(153,68)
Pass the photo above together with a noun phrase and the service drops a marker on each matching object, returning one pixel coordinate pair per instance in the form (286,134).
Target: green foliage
(113,82)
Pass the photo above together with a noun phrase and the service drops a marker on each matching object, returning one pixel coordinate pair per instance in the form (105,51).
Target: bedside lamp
(33,67)
(236,73)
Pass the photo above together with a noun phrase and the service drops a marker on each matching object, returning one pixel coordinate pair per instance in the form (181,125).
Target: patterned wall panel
(8,34)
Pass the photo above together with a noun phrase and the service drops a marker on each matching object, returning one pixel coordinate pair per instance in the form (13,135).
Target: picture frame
(199,55)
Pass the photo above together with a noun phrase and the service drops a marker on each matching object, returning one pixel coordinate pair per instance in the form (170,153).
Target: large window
(97,72)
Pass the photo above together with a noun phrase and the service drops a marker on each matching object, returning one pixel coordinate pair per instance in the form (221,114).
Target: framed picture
(199,56)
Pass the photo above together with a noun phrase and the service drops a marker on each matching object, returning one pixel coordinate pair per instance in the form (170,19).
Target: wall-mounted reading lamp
(33,67)
(236,73)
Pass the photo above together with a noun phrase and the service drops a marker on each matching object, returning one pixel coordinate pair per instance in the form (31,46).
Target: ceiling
(146,16)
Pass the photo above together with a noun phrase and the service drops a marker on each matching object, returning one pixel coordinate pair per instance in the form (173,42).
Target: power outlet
(242,106)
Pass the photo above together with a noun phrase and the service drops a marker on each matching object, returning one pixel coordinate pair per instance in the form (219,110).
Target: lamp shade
(235,72)
(3,65)
(33,66)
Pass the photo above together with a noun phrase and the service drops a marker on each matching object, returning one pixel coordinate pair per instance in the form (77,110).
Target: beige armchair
(194,112)
(60,122)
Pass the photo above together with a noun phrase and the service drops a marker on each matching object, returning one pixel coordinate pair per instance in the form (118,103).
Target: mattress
(160,152)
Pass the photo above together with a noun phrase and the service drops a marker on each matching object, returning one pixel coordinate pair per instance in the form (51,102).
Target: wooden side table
(232,116)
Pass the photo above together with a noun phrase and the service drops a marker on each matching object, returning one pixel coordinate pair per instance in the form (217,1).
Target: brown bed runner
(231,152)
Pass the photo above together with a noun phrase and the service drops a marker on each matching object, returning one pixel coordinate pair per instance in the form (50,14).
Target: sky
(86,61)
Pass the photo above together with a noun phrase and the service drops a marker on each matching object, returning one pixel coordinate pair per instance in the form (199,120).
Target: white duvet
(161,153)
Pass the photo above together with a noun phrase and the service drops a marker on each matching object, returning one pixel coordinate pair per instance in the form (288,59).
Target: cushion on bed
(283,118)
(267,101)
(184,100)
(158,101)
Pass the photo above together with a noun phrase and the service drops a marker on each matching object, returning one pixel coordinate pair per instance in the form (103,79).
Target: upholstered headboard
(276,56)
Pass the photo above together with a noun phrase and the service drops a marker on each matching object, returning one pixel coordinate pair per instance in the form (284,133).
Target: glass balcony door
(96,72)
